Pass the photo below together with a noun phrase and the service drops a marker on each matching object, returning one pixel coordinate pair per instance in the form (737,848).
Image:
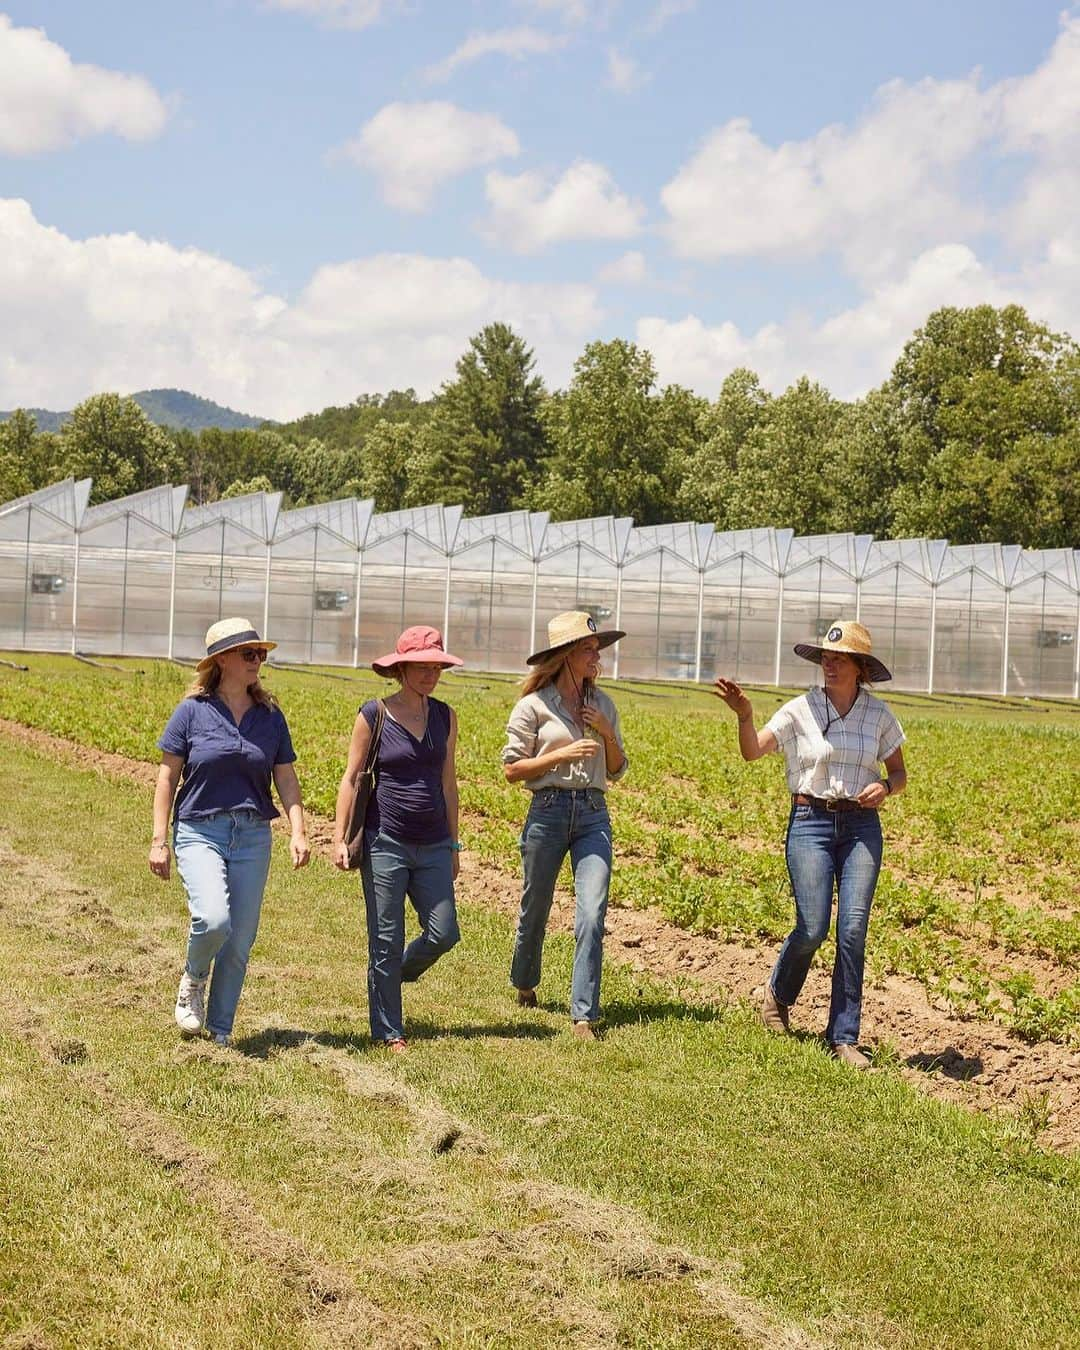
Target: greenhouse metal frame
(334,583)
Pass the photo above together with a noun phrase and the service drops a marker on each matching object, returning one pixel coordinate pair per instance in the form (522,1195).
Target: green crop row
(982,856)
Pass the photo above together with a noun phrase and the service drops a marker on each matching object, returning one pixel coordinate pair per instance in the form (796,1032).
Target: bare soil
(976,1064)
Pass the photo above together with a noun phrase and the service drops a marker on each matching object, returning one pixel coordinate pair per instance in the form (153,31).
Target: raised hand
(733,696)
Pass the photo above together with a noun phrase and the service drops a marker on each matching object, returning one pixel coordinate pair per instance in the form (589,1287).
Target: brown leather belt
(829,803)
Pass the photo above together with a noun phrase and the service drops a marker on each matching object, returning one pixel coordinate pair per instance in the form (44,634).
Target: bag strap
(376,734)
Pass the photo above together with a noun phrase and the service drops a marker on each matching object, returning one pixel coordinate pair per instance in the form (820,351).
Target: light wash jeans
(827,849)
(223,861)
(390,870)
(562,821)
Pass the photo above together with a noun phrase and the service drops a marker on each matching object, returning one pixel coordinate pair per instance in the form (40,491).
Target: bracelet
(164,844)
(456,846)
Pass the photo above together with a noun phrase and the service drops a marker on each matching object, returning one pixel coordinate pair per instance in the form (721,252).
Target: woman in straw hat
(564,745)
(833,741)
(411,831)
(222,746)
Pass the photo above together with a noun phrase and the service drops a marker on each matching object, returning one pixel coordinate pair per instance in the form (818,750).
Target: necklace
(411,718)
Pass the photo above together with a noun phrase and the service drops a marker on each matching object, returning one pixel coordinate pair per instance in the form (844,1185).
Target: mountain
(174,408)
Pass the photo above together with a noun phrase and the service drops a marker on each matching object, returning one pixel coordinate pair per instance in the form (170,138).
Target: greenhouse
(334,583)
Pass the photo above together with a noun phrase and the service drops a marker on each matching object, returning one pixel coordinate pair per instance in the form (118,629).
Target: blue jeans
(223,861)
(562,821)
(827,849)
(392,869)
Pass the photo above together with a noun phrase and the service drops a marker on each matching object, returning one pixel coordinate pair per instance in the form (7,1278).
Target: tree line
(974,437)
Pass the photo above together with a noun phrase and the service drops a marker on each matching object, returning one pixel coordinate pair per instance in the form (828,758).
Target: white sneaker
(191,1004)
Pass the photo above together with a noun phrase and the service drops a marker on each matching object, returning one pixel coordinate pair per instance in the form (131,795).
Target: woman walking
(833,741)
(222,745)
(564,744)
(411,843)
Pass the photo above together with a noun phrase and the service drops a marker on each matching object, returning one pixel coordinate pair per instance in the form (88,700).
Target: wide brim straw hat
(566,629)
(420,644)
(845,635)
(226,634)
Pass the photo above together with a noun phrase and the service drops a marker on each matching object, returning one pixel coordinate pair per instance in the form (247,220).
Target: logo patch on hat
(834,634)
(592,624)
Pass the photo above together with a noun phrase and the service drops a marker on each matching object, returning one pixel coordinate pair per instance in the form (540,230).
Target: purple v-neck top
(226,767)
(408,802)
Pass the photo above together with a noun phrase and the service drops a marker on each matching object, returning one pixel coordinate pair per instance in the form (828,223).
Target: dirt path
(977,1064)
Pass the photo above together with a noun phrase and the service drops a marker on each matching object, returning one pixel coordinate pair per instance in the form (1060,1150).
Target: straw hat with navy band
(846,636)
(566,629)
(226,634)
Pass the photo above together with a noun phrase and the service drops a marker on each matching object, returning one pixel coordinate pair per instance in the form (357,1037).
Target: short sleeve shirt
(541,722)
(226,767)
(826,755)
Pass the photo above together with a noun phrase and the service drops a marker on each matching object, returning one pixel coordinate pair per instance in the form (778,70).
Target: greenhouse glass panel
(1042,651)
(970,620)
(404,575)
(222,567)
(580,570)
(740,609)
(661,593)
(38,566)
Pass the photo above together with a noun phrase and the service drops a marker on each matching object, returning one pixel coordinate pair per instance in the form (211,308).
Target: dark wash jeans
(829,850)
(562,821)
(390,870)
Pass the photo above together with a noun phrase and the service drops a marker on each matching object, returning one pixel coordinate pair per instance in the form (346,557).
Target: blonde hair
(549,669)
(206,683)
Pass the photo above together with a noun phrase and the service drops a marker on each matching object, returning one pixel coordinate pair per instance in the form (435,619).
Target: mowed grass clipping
(688,1181)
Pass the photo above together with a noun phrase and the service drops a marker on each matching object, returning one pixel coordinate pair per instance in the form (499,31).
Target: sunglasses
(252,654)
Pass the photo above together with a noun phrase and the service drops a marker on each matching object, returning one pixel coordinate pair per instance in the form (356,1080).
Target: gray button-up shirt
(541,722)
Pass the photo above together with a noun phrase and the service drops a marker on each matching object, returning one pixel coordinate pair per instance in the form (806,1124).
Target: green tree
(989,417)
(486,437)
(27,458)
(242,487)
(614,441)
(710,475)
(111,440)
(389,451)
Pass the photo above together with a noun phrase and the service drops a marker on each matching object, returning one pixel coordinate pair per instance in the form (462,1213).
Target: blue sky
(284,203)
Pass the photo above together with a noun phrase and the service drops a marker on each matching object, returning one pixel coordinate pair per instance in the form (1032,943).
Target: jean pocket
(801,812)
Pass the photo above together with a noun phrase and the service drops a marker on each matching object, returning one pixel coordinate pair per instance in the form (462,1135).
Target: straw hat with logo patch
(226,634)
(566,629)
(845,635)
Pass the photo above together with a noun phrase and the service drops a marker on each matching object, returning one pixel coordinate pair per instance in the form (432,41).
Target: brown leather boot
(526,998)
(584,1031)
(773,1013)
(851,1055)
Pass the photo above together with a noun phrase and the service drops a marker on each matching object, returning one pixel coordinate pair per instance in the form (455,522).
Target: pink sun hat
(419,643)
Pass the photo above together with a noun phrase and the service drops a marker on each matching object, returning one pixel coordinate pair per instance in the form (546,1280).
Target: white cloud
(1041,111)
(569,11)
(624,74)
(850,352)
(48,101)
(873,192)
(339,13)
(121,312)
(412,148)
(628,270)
(527,213)
(663,13)
(515,43)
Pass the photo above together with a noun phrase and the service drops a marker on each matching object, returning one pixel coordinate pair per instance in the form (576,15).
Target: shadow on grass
(272,1040)
(626,1012)
(950,1063)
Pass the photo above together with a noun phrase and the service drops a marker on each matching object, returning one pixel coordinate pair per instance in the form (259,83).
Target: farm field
(690,1181)
(978,899)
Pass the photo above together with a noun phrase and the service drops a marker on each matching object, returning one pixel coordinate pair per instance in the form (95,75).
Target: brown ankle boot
(773,1013)
(852,1056)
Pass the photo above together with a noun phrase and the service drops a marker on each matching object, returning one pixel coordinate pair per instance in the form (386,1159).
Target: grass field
(978,897)
(687,1182)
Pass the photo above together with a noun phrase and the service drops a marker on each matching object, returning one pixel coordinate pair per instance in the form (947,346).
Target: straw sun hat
(226,634)
(845,635)
(566,629)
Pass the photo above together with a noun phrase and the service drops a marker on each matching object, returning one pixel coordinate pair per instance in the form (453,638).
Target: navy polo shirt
(226,767)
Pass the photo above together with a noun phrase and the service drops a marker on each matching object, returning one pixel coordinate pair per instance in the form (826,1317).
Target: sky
(283,204)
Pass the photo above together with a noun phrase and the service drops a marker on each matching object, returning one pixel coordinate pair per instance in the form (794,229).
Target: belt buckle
(832,804)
